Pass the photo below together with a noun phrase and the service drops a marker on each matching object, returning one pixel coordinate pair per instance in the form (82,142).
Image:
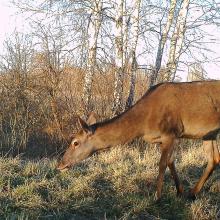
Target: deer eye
(75,143)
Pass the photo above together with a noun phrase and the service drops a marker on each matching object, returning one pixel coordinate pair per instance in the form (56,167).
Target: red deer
(166,112)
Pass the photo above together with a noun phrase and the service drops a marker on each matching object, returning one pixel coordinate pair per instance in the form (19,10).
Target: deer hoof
(191,196)
(180,191)
(157,199)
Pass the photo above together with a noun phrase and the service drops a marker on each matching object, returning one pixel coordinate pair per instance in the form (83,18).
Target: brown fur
(166,112)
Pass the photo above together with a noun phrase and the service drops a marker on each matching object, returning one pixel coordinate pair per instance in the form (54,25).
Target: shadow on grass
(194,173)
(140,204)
(107,201)
(111,204)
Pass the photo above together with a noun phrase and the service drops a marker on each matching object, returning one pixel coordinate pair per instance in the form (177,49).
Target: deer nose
(62,167)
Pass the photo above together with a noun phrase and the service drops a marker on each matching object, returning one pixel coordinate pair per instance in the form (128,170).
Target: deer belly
(200,130)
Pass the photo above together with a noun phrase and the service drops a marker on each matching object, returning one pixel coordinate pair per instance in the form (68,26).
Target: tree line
(93,33)
(98,36)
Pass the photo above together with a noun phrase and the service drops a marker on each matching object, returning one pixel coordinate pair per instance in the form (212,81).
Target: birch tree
(177,41)
(134,30)
(196,72)
(163,40)
(119,61)
(93,33)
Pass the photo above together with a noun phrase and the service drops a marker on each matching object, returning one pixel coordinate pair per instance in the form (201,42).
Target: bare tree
(16,121)
(93,34)
(177,39)
(119,61)
(134,30)
(97,36)
(196,72)
(54,60)
(162,41)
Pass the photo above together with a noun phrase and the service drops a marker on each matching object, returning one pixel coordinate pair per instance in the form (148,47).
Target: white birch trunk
(135,18)
(177,41)
(119,62)
(93,33)
(126,22)
(163,41)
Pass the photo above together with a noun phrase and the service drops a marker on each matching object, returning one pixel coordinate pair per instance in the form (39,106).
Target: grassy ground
(116,184)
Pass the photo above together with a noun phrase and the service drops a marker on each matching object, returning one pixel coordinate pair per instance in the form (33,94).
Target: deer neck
(120,129)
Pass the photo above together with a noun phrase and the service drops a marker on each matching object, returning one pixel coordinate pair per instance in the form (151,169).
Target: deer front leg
(172,168)
(166,152)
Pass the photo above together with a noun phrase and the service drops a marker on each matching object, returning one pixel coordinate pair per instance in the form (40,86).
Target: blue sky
(9,21)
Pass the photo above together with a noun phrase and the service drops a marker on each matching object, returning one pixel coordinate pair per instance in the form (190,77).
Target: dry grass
(115,184)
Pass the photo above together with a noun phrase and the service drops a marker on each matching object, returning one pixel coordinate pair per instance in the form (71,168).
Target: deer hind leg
(216,153)
(172,168)
(210,150)
(166,152)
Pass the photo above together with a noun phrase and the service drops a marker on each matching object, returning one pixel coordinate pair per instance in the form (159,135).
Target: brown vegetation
(38,110)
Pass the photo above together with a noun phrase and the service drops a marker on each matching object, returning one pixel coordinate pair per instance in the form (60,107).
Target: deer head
(82,144)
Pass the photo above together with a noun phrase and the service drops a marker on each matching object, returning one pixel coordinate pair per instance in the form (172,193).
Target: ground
(118,183)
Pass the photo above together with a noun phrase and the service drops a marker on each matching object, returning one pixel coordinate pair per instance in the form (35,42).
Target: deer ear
(92,119)
(83,125)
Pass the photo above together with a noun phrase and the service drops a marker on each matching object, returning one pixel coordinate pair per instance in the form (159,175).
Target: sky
(9,21)
(4,21)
